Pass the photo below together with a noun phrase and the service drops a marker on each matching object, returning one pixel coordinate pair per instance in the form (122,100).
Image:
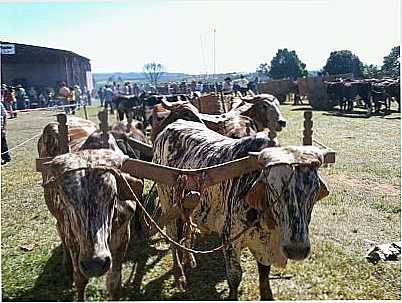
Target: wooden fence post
(63,133)
(308,128)
(129,120)
(104,127)
(85,111)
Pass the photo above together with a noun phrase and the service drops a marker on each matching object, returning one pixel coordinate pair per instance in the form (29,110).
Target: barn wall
(35,74)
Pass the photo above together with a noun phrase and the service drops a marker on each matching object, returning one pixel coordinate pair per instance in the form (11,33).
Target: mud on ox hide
(275,201)
(93,207)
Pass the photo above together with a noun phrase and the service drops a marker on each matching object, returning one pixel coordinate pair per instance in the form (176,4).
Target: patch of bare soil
(365,185)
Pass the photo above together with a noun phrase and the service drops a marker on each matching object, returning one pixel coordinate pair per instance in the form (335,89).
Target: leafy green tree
(343,62)
(286,64)
(391,65)
(371,71)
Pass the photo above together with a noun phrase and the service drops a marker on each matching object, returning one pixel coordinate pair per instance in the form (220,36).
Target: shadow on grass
(201,281)
(51,285)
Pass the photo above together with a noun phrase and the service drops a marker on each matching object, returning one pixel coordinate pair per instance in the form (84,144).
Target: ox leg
(265,287)
(178,257)
(233,271)
(80,283)
(113,279)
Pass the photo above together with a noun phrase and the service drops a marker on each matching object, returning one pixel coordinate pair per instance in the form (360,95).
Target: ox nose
(95,267)
(296,251)
(282,123)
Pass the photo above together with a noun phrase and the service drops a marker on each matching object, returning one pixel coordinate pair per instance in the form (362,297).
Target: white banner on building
(90,83)
(7,49)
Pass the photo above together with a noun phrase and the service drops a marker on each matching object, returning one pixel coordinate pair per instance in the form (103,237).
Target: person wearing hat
(227,86)
(5,155)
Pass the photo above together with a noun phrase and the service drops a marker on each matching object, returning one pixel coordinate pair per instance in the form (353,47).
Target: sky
(121,36)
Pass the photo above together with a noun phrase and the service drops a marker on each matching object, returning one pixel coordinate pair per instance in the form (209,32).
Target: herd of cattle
(263,200)
(373,93)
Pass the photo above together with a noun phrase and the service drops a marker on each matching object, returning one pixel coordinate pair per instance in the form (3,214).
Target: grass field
(364,204)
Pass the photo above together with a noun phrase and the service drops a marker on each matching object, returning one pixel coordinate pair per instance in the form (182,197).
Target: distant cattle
(274,203)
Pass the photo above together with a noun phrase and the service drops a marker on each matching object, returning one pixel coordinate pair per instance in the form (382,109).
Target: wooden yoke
(63,133)
(104,127)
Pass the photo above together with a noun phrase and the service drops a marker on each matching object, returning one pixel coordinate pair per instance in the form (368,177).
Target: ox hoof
(182,283)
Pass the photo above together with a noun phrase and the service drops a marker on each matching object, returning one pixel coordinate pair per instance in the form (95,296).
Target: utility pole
(214,55)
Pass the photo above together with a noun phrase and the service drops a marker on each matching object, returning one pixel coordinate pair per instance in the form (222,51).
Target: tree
(286,64)
(391,64)
(263,70)
(153,71)
(371,71)
(343,62)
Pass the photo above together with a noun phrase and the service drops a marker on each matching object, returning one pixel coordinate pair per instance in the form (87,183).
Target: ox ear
(256,195)
(123,190)
(323,191)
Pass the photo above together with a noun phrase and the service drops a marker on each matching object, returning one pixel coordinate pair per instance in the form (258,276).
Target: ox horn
(166,104)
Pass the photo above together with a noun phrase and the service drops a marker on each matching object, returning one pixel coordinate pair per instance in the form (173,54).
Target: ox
(251,116)
(91,203)
(275,201)
(93,207)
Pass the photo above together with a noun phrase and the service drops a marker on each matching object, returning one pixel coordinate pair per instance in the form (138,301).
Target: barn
(42,66)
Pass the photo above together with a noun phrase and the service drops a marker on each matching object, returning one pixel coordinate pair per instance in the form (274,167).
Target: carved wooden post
(85,111)
(308,128)
(63,133)
(129,120)
(104,127)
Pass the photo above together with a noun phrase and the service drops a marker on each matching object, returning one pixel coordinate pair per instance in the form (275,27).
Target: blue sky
(123,35)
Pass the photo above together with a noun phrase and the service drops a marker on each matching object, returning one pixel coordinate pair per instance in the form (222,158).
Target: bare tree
(153,71)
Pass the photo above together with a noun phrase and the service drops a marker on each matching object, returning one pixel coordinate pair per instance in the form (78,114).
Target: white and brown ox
(252,115)
(274,201)
(92,205)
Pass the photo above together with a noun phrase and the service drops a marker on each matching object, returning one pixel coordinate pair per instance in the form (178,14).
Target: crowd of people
(16,98)
(113,90)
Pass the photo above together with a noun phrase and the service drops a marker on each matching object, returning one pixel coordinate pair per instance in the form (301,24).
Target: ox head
(94,197)
(265,112)
(286,191)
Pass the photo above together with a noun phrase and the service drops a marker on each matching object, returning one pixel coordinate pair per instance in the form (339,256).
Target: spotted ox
(93,207)
(274,202)
(251,116)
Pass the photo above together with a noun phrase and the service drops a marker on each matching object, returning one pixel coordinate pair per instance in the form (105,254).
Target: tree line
(286,64)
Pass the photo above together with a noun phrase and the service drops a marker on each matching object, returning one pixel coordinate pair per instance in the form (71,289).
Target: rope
(15,147)
(117,173)
(170,240)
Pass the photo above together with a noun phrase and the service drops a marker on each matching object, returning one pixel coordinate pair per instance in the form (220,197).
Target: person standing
(243,85)
(5,155)
(71,100)
(64,93)
(108,94)
(101,94)
(21,97)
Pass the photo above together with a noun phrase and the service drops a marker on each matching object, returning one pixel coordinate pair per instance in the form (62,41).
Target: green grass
(364,204)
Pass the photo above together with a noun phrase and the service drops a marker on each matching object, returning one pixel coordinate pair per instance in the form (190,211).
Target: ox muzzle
(96,266)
